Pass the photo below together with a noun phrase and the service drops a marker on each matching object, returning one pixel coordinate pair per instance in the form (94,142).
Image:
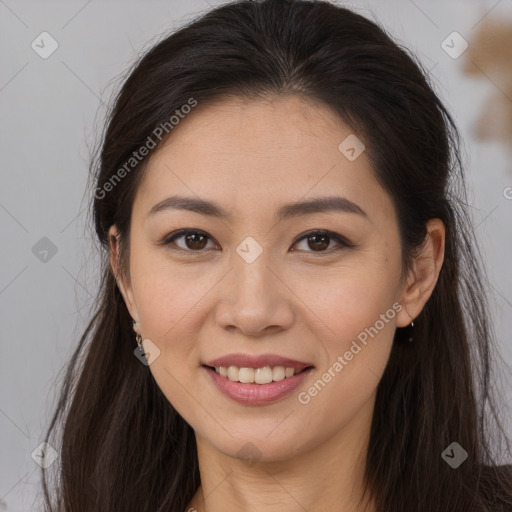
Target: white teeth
(278,373)
(233,373)
(263,375)
(246,375)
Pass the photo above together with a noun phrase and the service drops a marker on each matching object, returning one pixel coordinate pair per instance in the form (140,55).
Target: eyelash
(343,242)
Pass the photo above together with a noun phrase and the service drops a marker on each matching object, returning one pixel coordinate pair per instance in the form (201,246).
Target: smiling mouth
(263,375)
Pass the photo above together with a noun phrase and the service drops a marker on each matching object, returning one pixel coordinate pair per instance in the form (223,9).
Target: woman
(292,314)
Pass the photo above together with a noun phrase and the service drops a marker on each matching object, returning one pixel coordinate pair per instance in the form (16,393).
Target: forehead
(251,155)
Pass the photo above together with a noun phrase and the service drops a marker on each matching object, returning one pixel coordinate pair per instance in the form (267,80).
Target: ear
(123,281)
(424,274)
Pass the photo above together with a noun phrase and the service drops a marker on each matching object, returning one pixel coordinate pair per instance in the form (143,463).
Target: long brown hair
(122,444)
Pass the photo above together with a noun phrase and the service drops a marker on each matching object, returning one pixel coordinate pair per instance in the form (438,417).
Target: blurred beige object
(490,55)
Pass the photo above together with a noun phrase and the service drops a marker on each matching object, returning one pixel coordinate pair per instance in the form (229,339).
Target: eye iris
(192,239)
(323,244)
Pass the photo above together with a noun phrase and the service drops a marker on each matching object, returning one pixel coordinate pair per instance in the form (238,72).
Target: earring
(138,337)
(410,339)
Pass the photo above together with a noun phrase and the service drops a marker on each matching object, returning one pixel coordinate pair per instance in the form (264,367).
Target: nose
(256,300)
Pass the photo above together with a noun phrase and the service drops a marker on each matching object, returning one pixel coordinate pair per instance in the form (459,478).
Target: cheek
(169,298)
(361,331)
(351,298)
(355,313)
(357,346)
(170,301)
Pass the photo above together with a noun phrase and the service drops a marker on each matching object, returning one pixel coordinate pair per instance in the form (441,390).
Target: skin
(294,300)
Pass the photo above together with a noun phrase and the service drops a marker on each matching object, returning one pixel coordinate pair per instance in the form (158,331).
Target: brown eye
(319,241)
(193,241)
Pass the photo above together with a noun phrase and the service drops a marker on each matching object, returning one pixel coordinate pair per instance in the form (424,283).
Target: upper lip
(260,361)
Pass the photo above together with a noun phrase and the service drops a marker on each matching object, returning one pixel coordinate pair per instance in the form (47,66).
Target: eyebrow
(212,209)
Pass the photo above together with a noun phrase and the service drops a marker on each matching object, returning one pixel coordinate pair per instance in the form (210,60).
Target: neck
(328,476)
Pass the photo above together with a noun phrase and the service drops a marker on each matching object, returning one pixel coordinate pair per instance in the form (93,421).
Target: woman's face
(260,281)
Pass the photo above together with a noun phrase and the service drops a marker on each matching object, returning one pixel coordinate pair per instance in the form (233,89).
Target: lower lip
(257,394)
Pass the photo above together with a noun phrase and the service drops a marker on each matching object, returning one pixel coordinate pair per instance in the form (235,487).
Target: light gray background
(51,110)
